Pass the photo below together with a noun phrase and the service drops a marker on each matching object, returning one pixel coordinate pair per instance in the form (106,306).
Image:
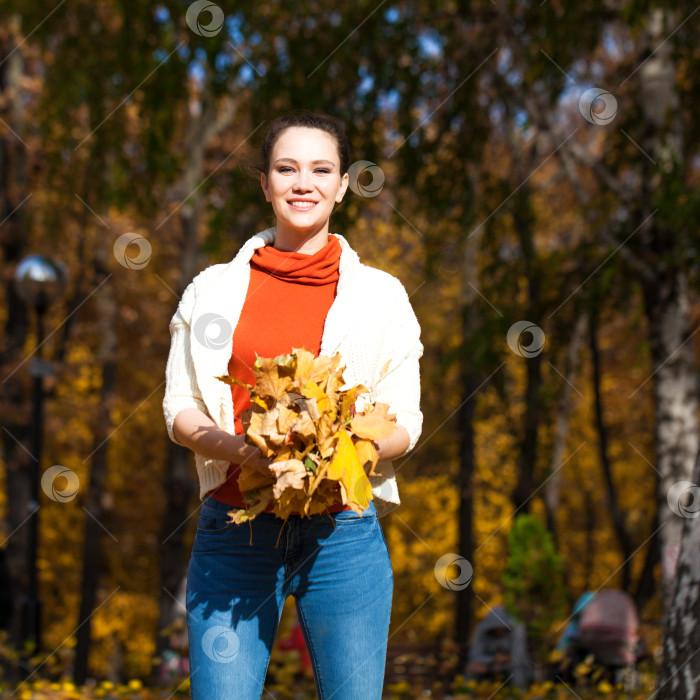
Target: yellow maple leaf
(285,418)
(273,380)
(254,434)
(230,379)
(262,498)
(346,469)
(325,432)
(313,368)
(349,398)
(326,495)
(304,365)
(286,452)
(367,455)
(290,473)
(304,426)
(332,386)
(303,421)
(251,479)
(311,390)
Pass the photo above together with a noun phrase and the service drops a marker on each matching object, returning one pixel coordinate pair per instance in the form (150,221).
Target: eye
(285,169)
(325,171)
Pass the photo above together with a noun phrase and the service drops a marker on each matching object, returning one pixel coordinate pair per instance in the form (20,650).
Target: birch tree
(642,175)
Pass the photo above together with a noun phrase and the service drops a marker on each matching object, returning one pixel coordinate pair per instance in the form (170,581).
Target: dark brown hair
(311,120)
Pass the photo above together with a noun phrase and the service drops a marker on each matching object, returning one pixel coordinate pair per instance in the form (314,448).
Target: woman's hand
(393,446)
(194,429)
(243,453)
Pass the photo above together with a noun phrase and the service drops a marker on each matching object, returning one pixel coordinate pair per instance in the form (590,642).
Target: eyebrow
(313,162)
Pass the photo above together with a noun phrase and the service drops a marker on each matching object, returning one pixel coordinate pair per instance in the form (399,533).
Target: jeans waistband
(211,502)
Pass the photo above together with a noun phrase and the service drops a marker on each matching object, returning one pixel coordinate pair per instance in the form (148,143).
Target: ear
(342,188)
(265,186)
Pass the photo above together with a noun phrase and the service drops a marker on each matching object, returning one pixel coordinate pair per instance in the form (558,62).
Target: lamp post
(39,280)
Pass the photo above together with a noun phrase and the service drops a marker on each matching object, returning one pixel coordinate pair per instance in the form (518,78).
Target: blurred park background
(528,169)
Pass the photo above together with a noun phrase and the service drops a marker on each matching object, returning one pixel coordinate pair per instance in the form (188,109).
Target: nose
(303,181)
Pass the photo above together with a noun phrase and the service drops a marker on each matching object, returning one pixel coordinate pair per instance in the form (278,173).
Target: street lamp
(39,280)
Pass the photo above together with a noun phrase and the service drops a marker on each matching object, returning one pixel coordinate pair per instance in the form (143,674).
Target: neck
(301,241)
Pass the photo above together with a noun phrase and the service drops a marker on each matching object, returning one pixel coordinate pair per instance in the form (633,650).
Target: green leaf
(310,465)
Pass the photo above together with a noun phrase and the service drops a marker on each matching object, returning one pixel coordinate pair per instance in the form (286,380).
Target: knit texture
(370,323)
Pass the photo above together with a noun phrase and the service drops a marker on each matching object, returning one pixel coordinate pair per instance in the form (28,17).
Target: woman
(293,285)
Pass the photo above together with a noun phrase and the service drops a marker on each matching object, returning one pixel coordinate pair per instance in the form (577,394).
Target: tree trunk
(664,284)
(15,391)
(591,524)
(676,405)
(646,584)
(178,484)
(561,430)
(106,311)
(617,516)
(553,484)
(680,672)
(666,296)
(524,221)
(471,381)
(652,255)
(465,483)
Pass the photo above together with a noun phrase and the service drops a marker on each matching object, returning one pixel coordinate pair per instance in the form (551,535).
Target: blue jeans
(337,568)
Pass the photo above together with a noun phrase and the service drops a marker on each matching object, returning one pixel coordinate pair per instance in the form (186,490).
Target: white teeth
(303,205)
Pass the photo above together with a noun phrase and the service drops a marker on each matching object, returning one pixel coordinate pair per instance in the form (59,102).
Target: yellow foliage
(422,608)
(302,420)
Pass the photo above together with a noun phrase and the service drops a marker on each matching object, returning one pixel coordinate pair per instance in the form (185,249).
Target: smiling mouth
(301,205)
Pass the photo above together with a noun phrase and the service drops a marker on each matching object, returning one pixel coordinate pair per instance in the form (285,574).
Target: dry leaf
(322,449)
(345,468)
(367,455)
(251,479)
(290,475)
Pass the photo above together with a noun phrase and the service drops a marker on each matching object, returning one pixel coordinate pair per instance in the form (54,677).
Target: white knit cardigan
(370,322)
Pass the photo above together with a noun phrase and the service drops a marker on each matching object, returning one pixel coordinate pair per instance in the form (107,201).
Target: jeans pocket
(350,516)
(214,520)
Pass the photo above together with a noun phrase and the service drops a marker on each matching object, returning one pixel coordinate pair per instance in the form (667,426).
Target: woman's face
(304,181)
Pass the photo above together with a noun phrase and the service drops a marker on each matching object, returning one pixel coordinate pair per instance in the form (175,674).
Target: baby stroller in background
(569,649)
(499,650)
(606,627)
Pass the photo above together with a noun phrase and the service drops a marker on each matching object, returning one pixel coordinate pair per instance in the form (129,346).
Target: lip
(313,203)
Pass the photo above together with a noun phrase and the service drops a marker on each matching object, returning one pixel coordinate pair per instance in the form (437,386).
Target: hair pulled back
(312,120)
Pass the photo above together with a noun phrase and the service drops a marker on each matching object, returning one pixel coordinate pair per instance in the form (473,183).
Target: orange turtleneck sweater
(288,298)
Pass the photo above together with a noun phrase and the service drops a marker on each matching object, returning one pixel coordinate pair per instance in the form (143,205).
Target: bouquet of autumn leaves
(322,449)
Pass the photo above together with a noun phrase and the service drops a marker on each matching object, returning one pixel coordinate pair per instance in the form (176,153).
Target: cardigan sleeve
(181,388)
(400,385)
